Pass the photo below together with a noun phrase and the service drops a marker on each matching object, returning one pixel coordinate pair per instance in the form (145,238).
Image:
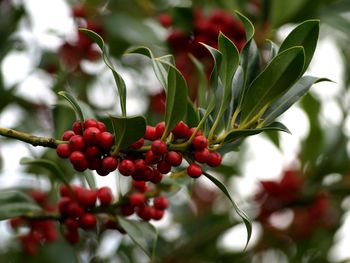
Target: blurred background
(295,187)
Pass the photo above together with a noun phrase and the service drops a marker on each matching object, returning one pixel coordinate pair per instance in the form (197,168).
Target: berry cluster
(40,231)
(138,202)
(76,208)
(88,147)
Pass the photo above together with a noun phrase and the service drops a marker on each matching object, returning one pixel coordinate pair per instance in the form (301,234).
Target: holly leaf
(121,87)
(74,103)
(127,130)
(142,233)
(246,220)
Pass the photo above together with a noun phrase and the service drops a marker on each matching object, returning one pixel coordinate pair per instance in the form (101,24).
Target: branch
(31,139)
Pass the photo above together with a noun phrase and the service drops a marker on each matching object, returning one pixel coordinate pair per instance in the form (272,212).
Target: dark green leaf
(273,49)
(282,11)
(305,35)
(237,89)
(127,130)
(74,103)
(298,90)
(245,218)
(118,79)
(203,83)
(192,118)
(272,83)
(237,134)
(14,203)
(248,26)
(158,67)
(49,165)
(142,233)
(176,99)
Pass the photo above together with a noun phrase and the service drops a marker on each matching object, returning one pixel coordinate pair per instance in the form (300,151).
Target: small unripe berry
(150,133)
(104,194)
(92,136)
(214,159)
(77,128)
(137,199)
(159,147)
(63,150)
(67,135)
(202,155)
(173,158)
(106,141)
(194,170)
(200,142)
(138,144)
(76,143)
(109,163)
(126,167)
(90,123)
(160,202)
(163,167)
(181,130)
(160,128)
(87,221)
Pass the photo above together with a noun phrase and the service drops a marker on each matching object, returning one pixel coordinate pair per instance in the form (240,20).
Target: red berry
(201,156)
(92,136)
(79,10)
(101,171)
(71,224)
(126,167)
(74,210)
(165,20)
(158,214)
(138,144)
(87,221)
(90,123)
(64,192)
(151,158)
(95,164)
(148,174)
(77,128)
(194,170)
(101,126)
(16,222)
(63,150)
(78,160)
(200,142)
(127,210)
(160,202)
(157,177)
(72,237)
(86,198)
(76,143)
(214,159)
(173,158)
(140,165)
(63,205)
(159,147)
(92,152)
(192,130)
(67,135)
(145,212)
(140,186)
(137,199)
(106,141)
(181,130)
(160,128)
(109,163)
(163,167)
(150,133)
(104,194)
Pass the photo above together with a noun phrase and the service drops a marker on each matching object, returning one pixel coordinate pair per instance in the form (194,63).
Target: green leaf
(90,179)
(192,118)
(298,90)
(238,134)
(74,103)
(273,49)
(272,83)
(230,61)
(49,165)
(127,130)
(203,82)
(237,93)
(305,35)
(157,65)
(176,99)
(121,87)
(15,203)
(142,233)
(248,26)
(282,11)
(245,218)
